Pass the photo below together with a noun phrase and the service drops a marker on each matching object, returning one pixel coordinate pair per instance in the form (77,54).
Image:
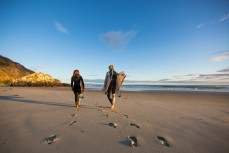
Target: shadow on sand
(16,98)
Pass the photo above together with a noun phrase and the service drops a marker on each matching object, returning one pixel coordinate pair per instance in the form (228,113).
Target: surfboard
(120,79)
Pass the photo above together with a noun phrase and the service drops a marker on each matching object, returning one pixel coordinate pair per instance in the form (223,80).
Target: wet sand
(160,122)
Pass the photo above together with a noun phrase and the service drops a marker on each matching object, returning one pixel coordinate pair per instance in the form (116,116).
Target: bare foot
(112,107)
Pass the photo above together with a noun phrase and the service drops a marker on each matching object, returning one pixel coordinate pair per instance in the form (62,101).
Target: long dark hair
(76,74)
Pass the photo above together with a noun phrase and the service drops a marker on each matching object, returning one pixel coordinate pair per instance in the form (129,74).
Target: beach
(190,122)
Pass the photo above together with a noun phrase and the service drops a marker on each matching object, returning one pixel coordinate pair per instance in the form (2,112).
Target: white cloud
(221,56)
(60,27)
(37,68)
(224,18)
(118,40)
(201,25)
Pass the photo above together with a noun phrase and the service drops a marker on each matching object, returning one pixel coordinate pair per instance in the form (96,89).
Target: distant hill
(15,74)
(10,70)
(38,77)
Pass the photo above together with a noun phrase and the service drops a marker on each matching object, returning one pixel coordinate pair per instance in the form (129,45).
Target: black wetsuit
(112,86)
(76,86)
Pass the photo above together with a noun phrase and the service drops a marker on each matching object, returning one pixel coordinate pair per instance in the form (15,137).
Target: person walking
(77,85)
(110,85)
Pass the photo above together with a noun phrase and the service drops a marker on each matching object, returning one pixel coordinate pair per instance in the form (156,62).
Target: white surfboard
(120,79)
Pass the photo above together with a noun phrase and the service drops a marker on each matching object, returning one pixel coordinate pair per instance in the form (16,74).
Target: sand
(190,122)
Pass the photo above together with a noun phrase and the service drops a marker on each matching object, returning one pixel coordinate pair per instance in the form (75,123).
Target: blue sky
(151,40)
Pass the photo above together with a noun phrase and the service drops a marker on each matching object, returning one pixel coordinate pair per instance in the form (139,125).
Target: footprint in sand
(51,139)
(99,110)
(114,111)
(133,141)
(114,125)
(82,131)
(73,115)
(126,116)
(105,115)
(163,141)
(3,142)
(137,126)
(72,122)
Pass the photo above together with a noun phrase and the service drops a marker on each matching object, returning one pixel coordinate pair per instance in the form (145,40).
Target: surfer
(77,85)
(110,85)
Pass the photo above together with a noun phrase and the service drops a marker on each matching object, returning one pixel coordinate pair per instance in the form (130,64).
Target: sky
(150,40)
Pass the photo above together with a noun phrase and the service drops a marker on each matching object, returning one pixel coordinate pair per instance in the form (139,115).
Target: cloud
(226,70)
(213,78)
(93,75)
(118,40)
(37,68)
(60,27)
(201,25)
(224,18)
(212,75)
(222,77)
(162,80)
(221,56)
(210,78)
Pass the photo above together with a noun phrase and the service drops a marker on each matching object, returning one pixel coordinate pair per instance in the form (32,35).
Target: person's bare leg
(113,102)
(77,100)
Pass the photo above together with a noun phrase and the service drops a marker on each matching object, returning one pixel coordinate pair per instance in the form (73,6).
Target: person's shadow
(15,98)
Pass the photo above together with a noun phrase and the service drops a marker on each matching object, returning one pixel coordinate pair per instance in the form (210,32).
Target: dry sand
(191,122)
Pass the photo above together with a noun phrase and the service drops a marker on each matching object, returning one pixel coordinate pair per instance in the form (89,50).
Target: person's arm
(105,83)
(72,83)
(82,82)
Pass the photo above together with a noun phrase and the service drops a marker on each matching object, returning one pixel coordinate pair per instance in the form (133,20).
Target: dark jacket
(77,84)
(110,79)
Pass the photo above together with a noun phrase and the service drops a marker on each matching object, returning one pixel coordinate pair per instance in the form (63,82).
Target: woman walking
(77,85)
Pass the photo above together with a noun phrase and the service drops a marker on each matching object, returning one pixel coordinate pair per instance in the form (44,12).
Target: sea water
(139,87)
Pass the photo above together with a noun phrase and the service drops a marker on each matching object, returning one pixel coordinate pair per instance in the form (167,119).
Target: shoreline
(135,91)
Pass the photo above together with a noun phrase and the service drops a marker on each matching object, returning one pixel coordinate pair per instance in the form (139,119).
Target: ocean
(194,88)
